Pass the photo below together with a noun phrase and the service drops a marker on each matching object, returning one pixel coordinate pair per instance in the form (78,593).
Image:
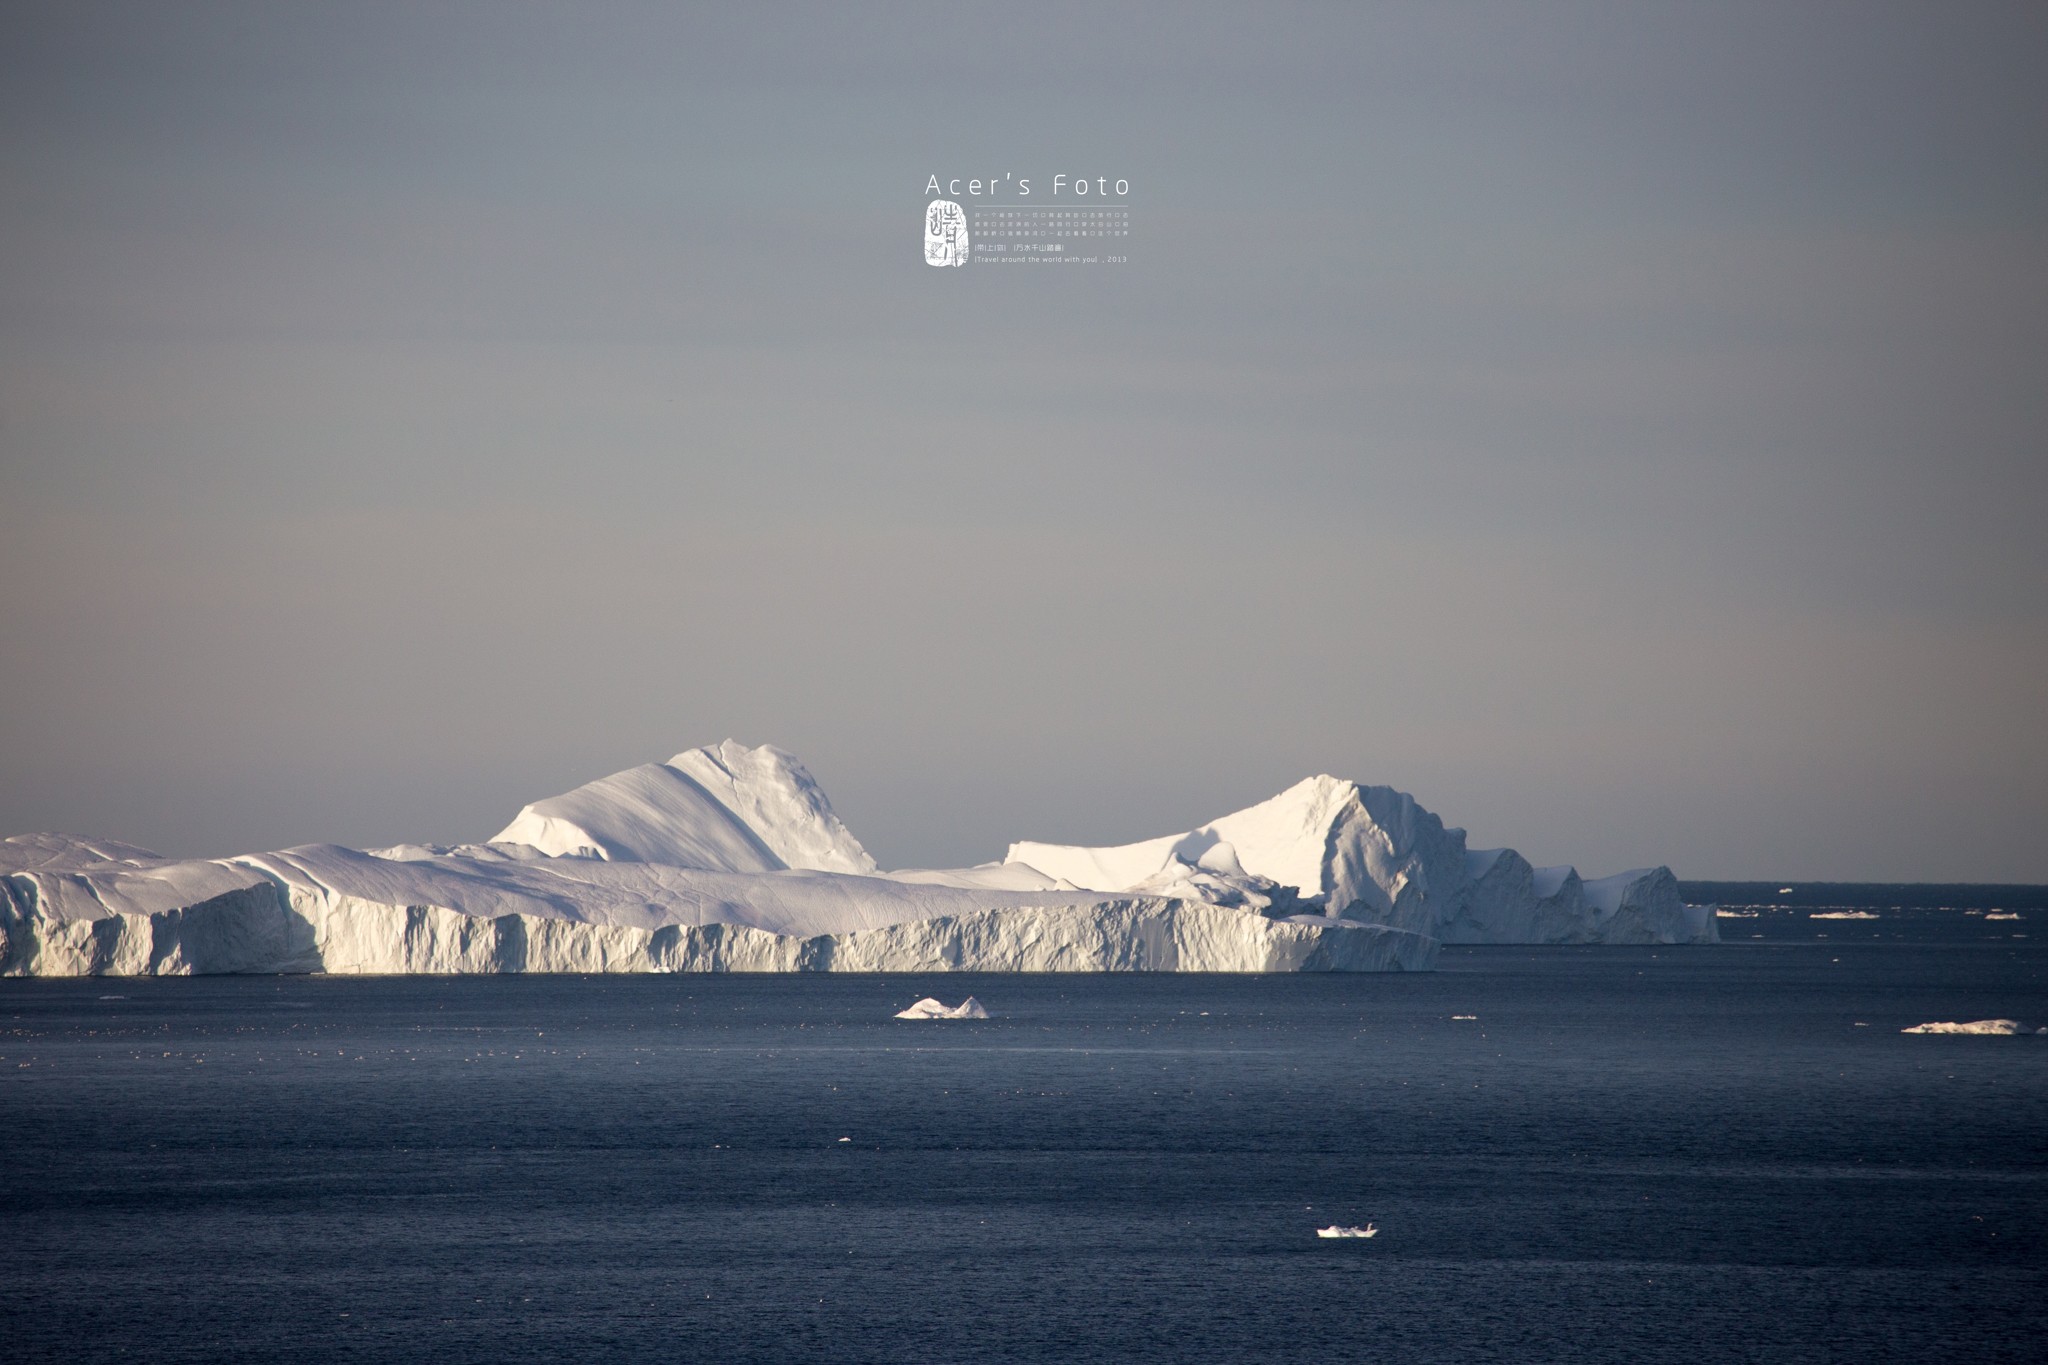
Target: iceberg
(2005,1028)
(730,858)
(928,1008)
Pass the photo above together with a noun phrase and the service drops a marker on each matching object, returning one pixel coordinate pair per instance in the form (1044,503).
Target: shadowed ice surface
(1629,1154)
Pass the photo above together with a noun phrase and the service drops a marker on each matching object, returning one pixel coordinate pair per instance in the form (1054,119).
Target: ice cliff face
(730,859)
(1374,855)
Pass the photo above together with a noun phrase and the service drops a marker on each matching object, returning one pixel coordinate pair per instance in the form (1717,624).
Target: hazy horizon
(1622,427)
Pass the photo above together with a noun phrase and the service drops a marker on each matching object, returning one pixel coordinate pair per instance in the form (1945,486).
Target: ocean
(1572,1154)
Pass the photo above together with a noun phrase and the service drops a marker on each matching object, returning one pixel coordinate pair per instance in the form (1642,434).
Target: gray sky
(1624,427)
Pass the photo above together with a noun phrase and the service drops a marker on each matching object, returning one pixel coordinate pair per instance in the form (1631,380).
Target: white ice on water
(929,1008)
(730,858)
(1999,1027)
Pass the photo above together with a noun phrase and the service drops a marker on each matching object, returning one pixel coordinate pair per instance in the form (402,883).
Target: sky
(1625,427)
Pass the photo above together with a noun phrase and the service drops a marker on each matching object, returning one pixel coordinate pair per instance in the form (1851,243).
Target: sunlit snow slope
(1375,855)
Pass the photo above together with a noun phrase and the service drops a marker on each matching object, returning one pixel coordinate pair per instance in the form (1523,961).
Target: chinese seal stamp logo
(945,233)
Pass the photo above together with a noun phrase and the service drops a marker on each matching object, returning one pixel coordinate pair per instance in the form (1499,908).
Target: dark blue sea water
(1705,1154)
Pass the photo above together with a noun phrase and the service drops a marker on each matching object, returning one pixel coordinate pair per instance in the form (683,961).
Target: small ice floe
(1784,890)
(928,1008)
(2001,914)
(1843,914)
(1464,1016)
(1334,1230)
(2000,1027)
(113,997)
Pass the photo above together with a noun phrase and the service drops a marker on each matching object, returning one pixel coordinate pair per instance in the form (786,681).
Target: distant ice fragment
(1335,1231)
(928,1008)
(2000,1027)
(1843,914)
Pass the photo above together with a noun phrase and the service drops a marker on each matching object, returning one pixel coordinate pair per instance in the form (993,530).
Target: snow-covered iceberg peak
(774,795)
(1374,854)
(1364,852)
(723,808)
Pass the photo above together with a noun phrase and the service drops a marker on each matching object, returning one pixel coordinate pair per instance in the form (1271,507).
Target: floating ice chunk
(2002,1027)
(1843,914)
(2001,914)
(1335,1231)
(928,1008)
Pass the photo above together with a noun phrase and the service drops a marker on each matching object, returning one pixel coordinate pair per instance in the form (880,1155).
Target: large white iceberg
(730,858)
